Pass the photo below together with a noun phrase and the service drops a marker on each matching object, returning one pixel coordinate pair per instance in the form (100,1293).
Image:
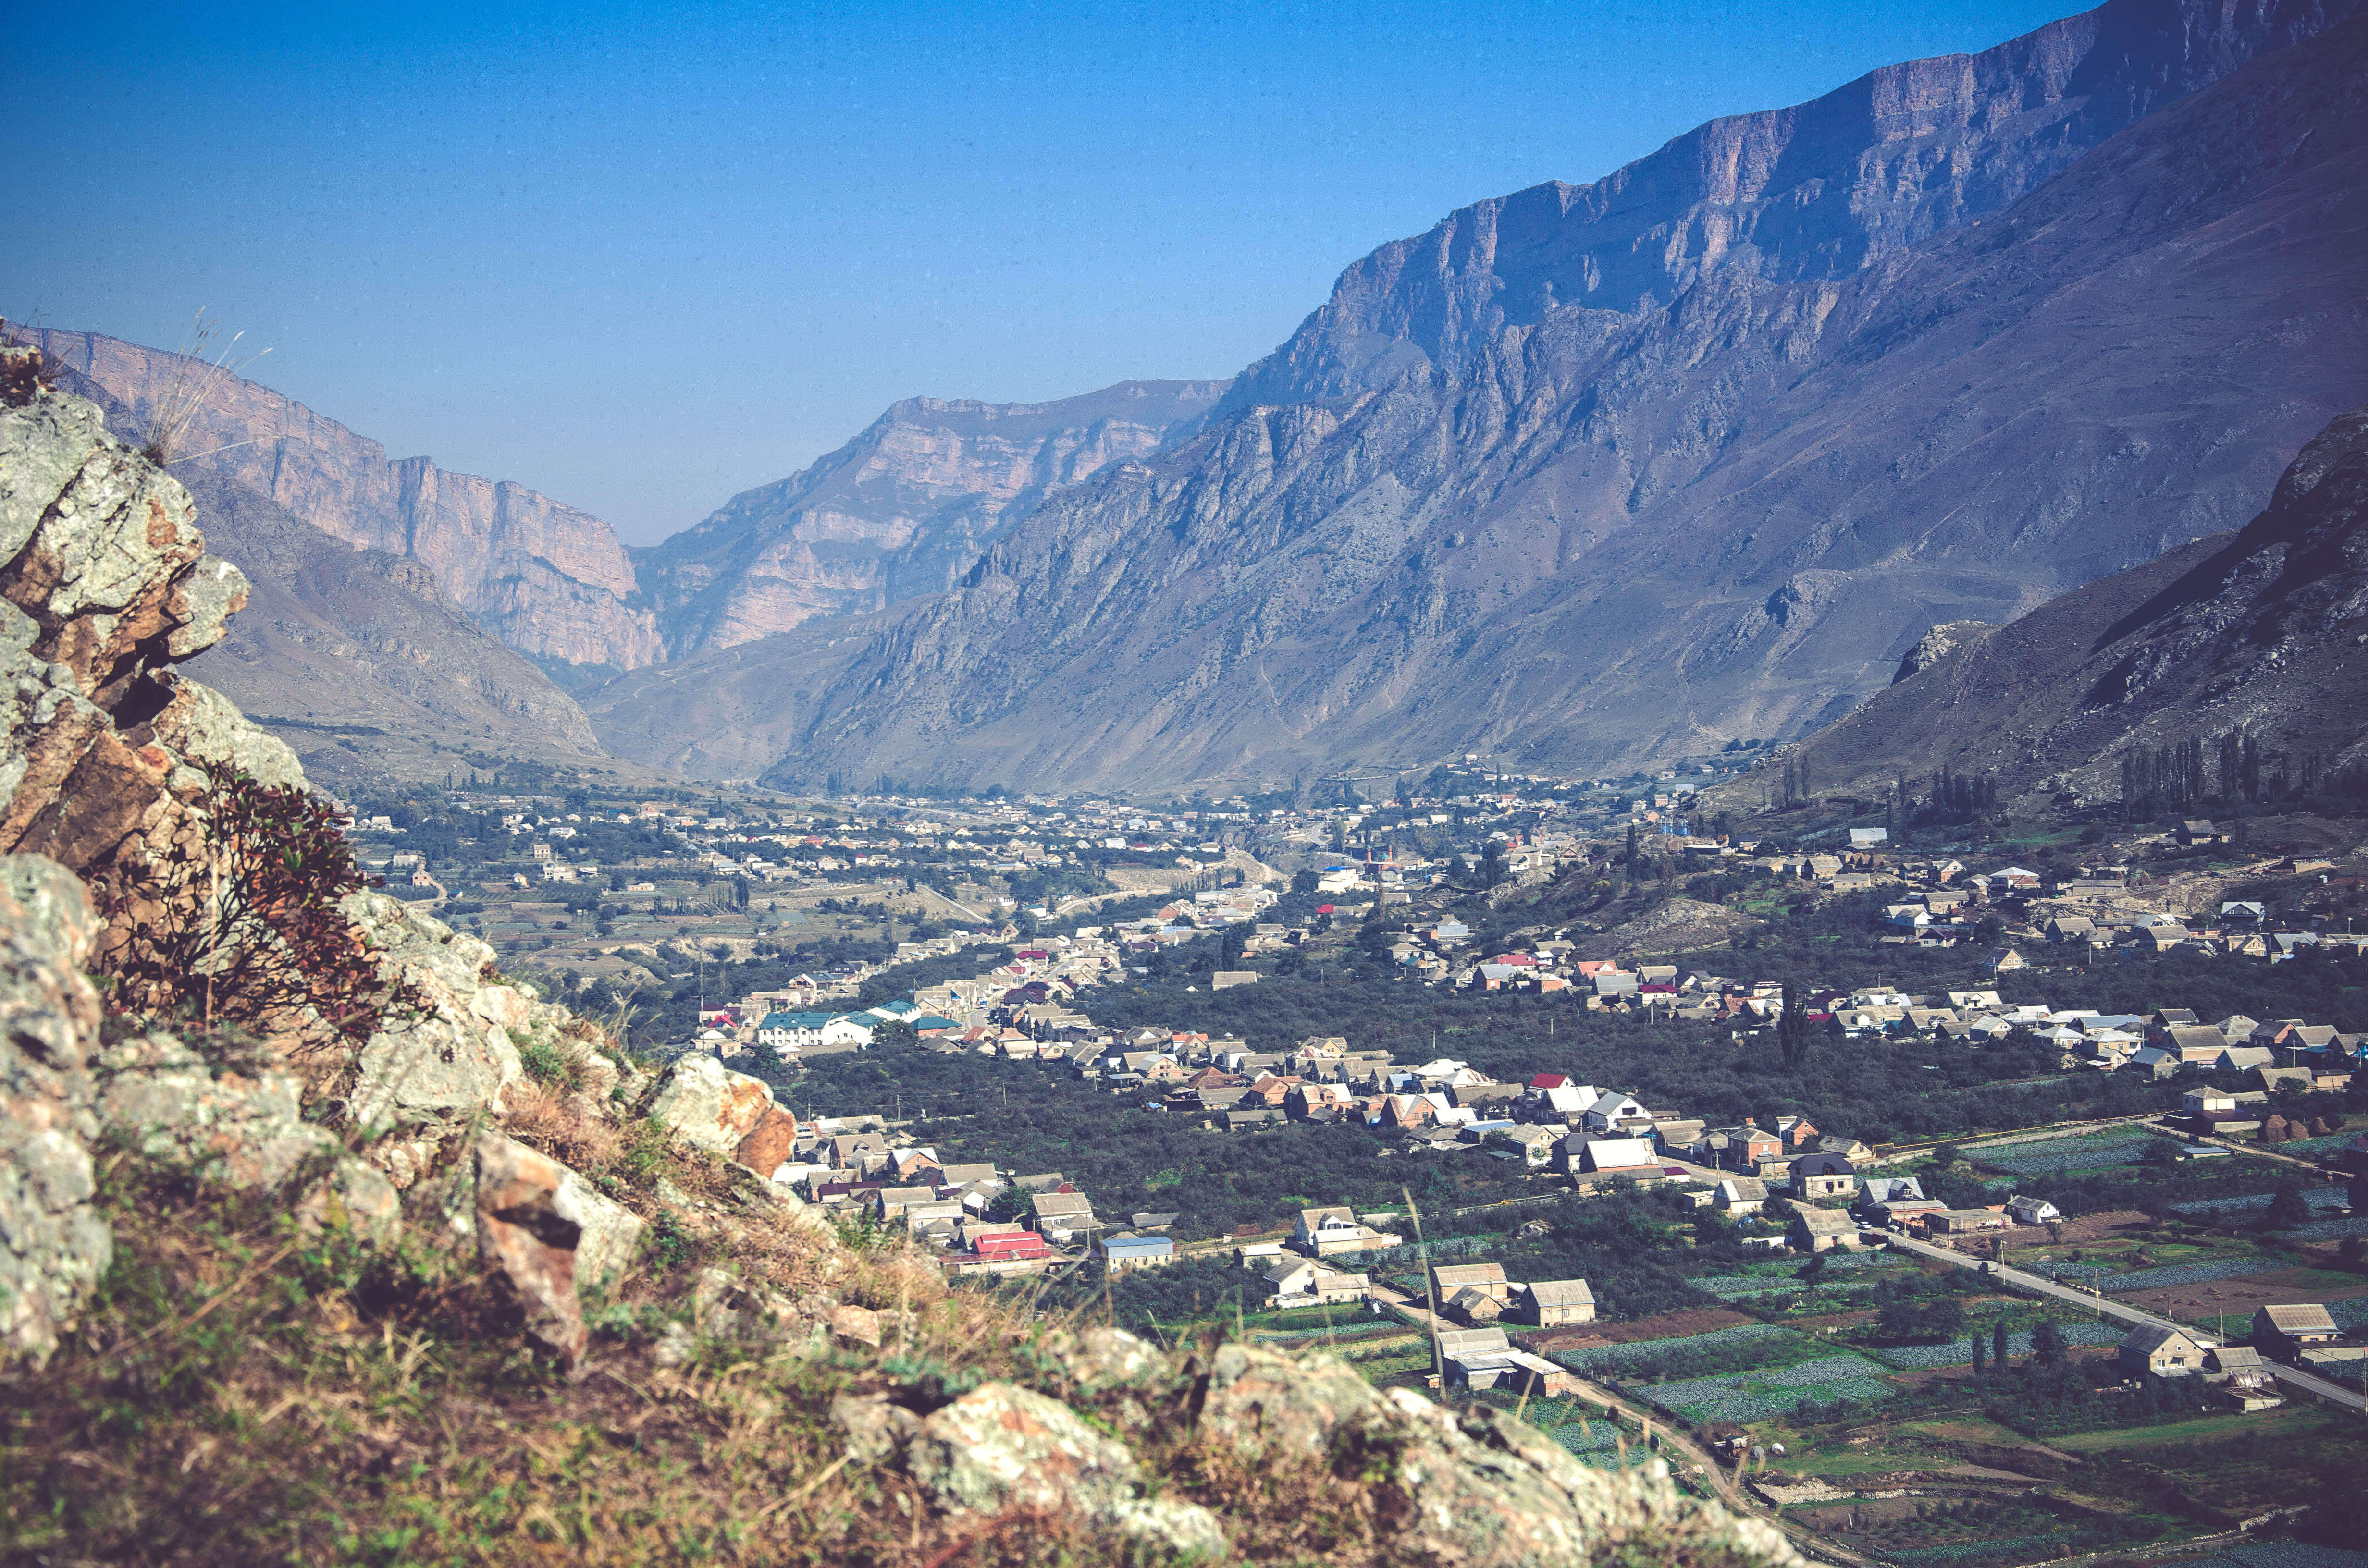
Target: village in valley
(1904,1172)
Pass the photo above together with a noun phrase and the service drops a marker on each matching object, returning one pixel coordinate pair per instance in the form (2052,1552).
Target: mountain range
(1587,478)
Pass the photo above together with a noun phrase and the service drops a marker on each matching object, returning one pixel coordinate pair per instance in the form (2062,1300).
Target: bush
(241,923)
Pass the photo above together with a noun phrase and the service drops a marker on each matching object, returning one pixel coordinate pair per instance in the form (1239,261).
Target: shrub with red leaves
(240,923)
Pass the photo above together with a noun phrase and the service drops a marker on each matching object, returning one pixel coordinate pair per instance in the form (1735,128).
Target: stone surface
(710,1106)
(2259,630)
(454,1060)
(1000,1446)
(241,1129)
(903,509)
(769,1143)
(546,1234)
(53,1247)
(1482,1490)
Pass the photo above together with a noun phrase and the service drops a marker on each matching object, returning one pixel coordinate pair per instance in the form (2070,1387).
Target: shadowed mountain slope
(2264,630)
(1600,538)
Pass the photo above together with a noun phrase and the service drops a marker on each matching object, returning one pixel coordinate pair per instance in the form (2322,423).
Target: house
(2281,1331)
(1551,1303)
(1746,1148)
(1447,1278)
(1301,1282)
(1618,1116)
(1585,1156)
(1326,1233)
(1060,1214)
(1822,1175)
(1484,1359)
(1795,1133)
(1474,1306)
(2162,1352)
(2241,1362)
(1880,1190)
(1821,1229)
(1125,1250)
(1957,1221)
(2032,1211)
(1742,1195)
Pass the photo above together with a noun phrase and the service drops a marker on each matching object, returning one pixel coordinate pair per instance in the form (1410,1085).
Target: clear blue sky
(643,259)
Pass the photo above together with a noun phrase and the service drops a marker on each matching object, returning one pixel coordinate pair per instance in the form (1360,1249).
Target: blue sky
(643,259)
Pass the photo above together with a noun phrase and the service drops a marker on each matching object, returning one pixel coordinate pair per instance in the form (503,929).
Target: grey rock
(241,1129)
(1001,1446)
(1480,1490)
(1938,644)
(54,1246)
(547,1235)
(454,1060)
(709,1105)
(203,725)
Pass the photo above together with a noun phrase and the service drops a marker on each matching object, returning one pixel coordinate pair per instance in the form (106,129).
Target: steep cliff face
(1611,536)
(1815,191)
(2262,630)
(901,510)
(544,577)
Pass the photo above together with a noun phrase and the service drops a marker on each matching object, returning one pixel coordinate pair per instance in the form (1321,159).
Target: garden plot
(2319,1197)
(1758,1395)
(1610,1358)
(2283,1554)
(2328,1230)
(2053,1155)
(1918,1357)
(2178,1274)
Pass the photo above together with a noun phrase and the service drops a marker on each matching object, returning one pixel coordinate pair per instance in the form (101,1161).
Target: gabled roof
(2299,1317)
(1824,1221)
(2149,1339)
(1562,1293)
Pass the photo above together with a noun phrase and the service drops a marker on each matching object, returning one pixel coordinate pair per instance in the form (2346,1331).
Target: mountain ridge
(1610,537)
(901,509)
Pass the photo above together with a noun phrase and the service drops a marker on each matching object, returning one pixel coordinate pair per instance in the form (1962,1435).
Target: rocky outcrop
(53,1245)
(1938,644)
(545,1235)
(1001,1448)
(1579,539)
(710,1106)
(903,509)
(550,580)
(1478,1489)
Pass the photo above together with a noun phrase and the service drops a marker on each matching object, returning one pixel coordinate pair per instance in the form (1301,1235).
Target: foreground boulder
(545,1235)
(53,1245)
(711,1107)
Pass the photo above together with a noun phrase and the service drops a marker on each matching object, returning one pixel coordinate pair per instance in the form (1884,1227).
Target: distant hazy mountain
(903,509)
(545,578)
(1595,475)
(2263,630)
(358,657)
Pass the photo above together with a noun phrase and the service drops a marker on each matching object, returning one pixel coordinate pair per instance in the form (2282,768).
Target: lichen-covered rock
(547,1235)
(1479,1489)
(452,1060)
(243,1130)
(54,1246)
(710,1106)
(201,725)
(1000,1448)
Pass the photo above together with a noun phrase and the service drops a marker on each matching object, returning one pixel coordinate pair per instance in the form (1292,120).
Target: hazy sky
(643,259)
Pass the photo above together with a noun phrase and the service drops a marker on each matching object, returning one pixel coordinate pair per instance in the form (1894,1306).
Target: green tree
(1976,1345)
(1999,1346)
(2286,1211)
(2047,1346)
